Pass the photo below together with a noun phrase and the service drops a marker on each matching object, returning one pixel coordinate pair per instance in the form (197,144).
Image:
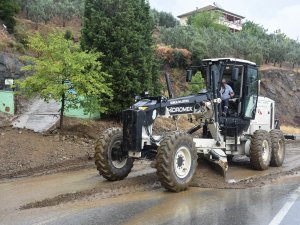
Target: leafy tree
(197,84)
(24,5)
(65,10)
(39,11)
(8,9)
(294,55)
(279,44)
(45,10)
(48,8)
(164,19)
(122,30)
(254,29)
(208,19)
(60,65)
(179,36)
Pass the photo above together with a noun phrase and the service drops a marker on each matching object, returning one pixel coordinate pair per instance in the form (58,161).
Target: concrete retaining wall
(7,102)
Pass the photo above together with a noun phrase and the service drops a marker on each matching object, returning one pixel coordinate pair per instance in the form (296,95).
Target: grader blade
(218,160)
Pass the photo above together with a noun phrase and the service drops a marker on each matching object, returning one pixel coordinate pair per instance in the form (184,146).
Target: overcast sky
(273,15)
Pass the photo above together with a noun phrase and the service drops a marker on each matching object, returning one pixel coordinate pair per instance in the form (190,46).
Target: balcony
(233,23)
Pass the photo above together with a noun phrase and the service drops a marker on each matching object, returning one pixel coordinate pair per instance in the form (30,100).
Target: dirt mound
(23,152)
(87,128)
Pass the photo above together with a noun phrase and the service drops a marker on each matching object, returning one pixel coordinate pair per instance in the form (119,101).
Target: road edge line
(285,209)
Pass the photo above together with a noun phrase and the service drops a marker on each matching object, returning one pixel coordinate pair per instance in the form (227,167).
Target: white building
(229,19)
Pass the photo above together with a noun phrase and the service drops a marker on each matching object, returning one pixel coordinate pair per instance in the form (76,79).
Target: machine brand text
(187,109)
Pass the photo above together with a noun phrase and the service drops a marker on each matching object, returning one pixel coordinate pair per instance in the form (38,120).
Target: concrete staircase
(39,117)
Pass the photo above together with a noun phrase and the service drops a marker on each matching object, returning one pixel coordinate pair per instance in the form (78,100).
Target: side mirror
(189,75)
(235,74)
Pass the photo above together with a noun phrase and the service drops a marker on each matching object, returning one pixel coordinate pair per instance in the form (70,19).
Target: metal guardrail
(291,137)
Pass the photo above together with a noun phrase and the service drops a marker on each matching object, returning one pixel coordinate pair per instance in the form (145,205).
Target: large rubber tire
(106,146)
(278,147)
(176,162)
(260,150)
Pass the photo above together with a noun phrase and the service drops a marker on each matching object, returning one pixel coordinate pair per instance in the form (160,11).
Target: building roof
(230,60)
(210,8)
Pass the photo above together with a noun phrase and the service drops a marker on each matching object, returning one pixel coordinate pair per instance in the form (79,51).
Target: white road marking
(285,209)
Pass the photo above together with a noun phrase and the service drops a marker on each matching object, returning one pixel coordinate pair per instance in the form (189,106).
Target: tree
(164,19)
(24,5)
(39,11)
(197,84)
(294,54)
(60,66)
(8,9)
(65,10)
(207,20)
(122,30)
(279,44)
(254,29)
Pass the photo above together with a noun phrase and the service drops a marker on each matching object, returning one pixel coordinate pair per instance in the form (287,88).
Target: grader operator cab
(247,129)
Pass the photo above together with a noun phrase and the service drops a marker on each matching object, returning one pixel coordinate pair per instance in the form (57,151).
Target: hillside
(283,85)
(280,84)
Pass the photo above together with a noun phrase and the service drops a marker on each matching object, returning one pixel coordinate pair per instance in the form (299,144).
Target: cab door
(250,93)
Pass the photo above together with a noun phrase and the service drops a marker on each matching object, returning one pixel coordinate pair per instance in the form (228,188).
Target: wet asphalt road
(196,206)
(274,204)
(248,206)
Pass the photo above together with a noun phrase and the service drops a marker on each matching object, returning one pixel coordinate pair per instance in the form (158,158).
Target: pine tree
(122,31)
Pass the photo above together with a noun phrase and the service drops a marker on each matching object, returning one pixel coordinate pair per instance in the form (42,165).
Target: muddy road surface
(83,197)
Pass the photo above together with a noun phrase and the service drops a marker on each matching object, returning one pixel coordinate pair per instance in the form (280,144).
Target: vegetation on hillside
(206,40)
(122,30)
(164,19)
(63,72)
(8,11)
(45,10)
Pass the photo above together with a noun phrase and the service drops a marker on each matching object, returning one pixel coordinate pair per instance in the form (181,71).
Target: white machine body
(265,115)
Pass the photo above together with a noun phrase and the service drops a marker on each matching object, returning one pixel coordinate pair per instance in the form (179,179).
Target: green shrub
(20,48)
(21,36)
(69,35)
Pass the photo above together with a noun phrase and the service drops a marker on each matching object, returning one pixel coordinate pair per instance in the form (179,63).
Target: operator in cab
(226,94)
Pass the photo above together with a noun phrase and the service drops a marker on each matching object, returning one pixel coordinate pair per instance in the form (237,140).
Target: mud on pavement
(149,182)
(240,176)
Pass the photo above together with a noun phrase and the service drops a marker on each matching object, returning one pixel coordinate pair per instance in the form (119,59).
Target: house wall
(7,102)
(234,25)
(183,21)
(79,113)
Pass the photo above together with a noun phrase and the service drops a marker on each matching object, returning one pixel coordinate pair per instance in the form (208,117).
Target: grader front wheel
(176,162)
(111,163)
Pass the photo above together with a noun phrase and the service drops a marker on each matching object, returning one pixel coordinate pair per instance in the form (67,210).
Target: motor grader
(248,128)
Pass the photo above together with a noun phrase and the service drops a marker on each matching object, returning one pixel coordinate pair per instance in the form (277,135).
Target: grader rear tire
(278,147)
(260,150)
(176,162)
(111,165)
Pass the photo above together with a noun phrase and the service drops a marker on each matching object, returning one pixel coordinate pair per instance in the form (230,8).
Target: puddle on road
(20,191)
(293,178)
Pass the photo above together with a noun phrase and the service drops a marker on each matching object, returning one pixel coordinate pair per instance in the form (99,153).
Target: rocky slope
(10,67)
(283,86)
